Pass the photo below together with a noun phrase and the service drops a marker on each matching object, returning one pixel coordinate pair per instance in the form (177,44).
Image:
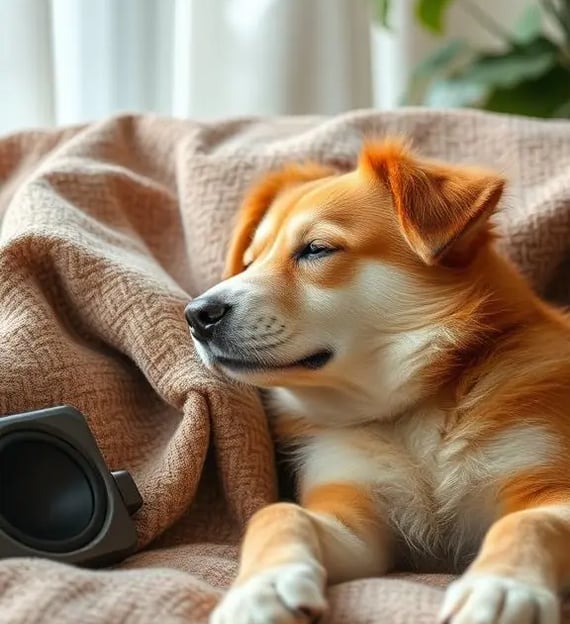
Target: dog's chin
(314,361)
(255,371)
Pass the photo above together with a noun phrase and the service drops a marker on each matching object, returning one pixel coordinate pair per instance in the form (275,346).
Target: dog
(420,387)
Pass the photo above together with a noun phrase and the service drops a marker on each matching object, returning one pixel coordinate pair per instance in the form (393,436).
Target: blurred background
(69,61)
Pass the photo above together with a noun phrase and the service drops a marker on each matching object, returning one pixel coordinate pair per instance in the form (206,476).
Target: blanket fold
(107,230)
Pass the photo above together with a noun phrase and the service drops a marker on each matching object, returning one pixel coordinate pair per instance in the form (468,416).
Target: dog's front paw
(288,594)
(491,599)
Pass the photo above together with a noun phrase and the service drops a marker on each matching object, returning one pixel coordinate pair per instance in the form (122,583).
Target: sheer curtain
(68,61)
(25,64)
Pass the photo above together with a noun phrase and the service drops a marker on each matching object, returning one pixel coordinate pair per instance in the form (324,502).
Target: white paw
(288,594)
(490,599)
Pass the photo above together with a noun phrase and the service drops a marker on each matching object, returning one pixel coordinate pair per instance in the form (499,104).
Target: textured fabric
(107,231)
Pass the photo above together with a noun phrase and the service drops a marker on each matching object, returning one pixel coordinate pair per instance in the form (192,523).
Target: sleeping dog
(421,387)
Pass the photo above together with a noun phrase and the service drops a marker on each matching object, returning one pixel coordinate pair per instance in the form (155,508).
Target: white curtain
(25,64)
(69,61)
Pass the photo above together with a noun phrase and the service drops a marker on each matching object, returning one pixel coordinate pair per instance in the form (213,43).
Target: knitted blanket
(107,230)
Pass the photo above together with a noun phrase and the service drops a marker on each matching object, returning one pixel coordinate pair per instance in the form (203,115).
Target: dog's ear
(442,210)
(256,203)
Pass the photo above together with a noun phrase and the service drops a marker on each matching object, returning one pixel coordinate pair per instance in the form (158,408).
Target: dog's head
(330,275)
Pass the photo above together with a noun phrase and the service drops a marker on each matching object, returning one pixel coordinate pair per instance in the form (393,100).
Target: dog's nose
(203,314)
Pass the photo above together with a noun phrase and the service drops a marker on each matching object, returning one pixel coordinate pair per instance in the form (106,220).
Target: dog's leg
(290,551)
(523,564)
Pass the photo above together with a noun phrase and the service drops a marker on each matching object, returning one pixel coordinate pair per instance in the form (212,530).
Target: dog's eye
(315,250)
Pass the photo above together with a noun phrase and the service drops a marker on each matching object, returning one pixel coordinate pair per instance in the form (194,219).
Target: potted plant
(530,76)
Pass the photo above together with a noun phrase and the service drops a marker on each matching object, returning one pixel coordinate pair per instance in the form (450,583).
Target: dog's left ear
(443,210)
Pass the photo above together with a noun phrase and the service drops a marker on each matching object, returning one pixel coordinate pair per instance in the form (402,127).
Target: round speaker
(51,498)
(58,498)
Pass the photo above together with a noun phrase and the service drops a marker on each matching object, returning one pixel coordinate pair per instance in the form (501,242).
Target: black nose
(203,314)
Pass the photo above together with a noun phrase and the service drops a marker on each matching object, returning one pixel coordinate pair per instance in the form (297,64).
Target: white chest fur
(438,495)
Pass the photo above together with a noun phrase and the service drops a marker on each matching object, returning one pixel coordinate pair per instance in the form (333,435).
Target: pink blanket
(107,230)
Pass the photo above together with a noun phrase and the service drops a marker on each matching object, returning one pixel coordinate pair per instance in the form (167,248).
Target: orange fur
(437,205)
(498,363)
(258,201)
(272,534)
(350,504)
(536,488)
(531,544)
(289,429)
(277,534)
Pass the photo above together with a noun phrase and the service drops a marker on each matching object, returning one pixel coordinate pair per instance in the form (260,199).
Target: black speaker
(57,497)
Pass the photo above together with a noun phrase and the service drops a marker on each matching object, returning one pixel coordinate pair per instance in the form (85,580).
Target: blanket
(108,229)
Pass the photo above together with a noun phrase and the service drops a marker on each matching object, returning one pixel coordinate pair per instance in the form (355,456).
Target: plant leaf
(506,70)
(563,111)
(381,12)
(439,63)
(545,96)
(451,93)
(559,12)
(441,58)
(529,24)
(431,13)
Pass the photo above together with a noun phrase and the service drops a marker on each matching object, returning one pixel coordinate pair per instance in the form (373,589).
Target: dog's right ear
(258,200)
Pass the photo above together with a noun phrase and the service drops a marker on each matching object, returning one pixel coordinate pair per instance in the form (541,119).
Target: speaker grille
(51,497)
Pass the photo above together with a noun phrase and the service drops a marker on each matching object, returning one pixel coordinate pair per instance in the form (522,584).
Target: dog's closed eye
(315,250)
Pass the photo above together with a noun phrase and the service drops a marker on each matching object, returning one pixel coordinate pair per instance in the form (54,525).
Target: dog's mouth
(311,362)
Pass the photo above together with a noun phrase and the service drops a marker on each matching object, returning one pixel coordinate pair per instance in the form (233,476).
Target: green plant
(530,76)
